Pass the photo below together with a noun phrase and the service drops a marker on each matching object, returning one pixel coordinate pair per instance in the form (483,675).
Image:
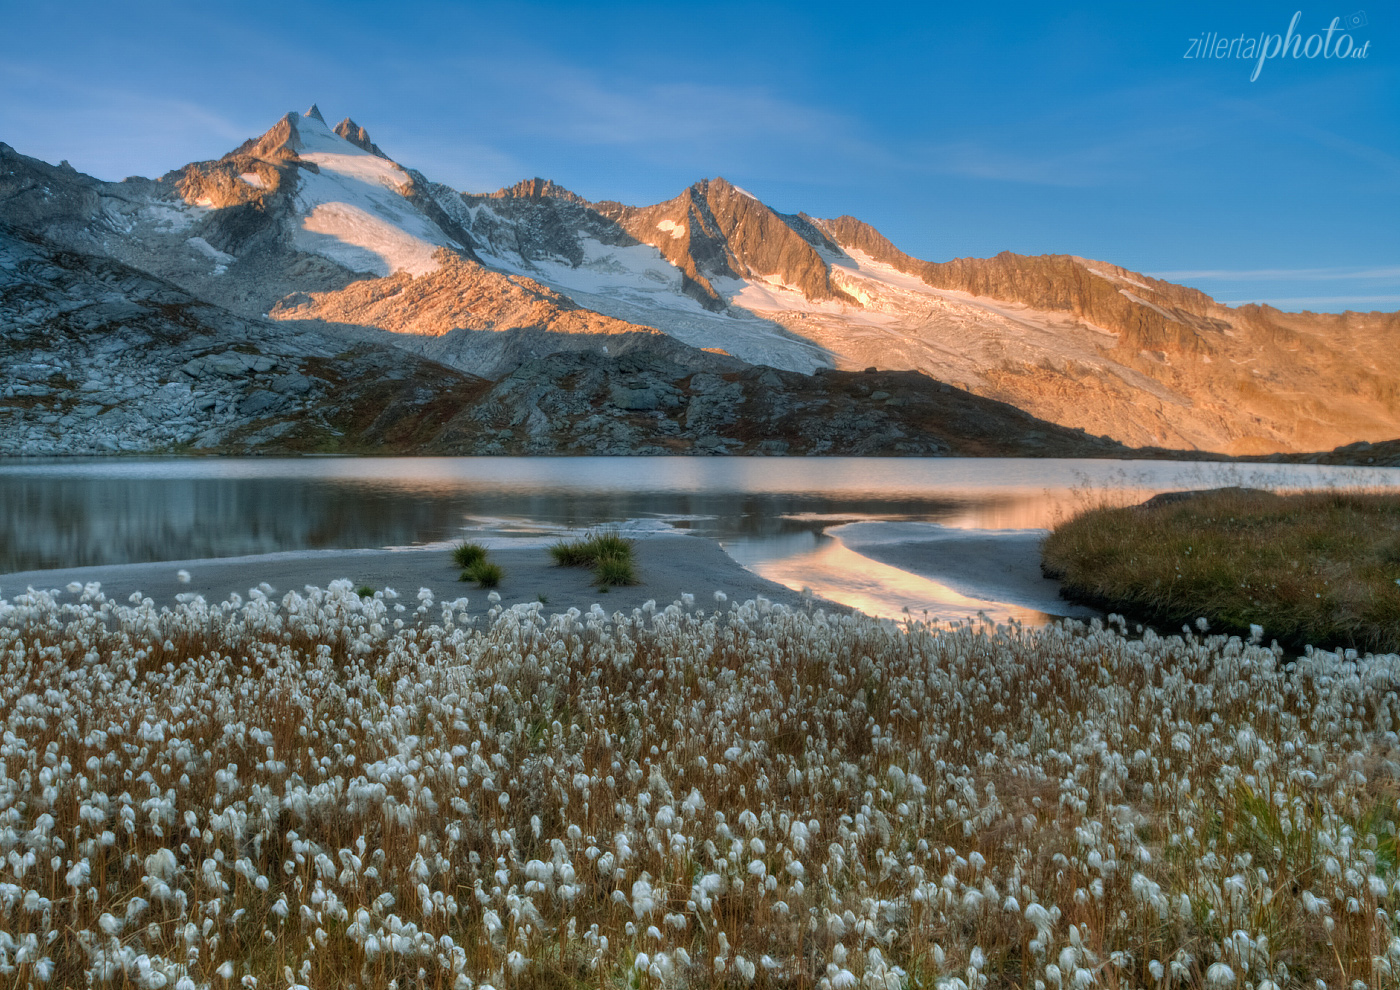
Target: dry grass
(1317,569)
(336,791)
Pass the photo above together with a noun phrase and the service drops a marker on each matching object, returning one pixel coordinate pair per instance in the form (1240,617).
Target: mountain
(1082,343)
(316,233)
(97,356)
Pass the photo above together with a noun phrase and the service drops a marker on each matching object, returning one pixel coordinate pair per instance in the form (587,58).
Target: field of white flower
(330,791)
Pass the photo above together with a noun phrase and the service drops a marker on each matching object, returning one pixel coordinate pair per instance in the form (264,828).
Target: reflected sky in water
(830,570)
(768,511)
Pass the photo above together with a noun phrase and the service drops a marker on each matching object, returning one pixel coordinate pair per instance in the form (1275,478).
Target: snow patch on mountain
(161,215)
(220,259)
(1111,276)
(676,230)
(769,294)
(353,212)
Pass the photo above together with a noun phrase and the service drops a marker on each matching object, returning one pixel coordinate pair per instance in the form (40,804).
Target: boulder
(644,397)
(291,384)
(229,364)
(261,402)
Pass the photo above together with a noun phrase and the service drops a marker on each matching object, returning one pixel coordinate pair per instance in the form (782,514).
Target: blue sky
(957,129)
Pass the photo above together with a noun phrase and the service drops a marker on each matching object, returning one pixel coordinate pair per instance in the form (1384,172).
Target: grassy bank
(329,791)
(1317,568)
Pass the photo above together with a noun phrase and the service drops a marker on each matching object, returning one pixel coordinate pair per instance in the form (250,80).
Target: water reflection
(830,570)
(771,511)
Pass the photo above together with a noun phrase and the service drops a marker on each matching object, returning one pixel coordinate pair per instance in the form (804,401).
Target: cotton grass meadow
(328,790)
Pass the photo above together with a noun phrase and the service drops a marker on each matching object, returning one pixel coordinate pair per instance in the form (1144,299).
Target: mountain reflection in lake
(119,510)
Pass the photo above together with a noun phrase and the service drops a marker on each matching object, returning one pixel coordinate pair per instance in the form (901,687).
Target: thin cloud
(1281,274)
(108,130)
(1326,302)
(1070,147)
(717,126)
(1295,123)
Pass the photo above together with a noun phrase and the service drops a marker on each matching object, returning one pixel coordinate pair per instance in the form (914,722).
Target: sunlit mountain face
(317,228)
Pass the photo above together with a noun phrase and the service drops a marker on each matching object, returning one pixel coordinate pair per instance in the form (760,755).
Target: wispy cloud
(1295,123)
(1281,274)
(713,124)
(1046,162)
(108,130)
(1327,303)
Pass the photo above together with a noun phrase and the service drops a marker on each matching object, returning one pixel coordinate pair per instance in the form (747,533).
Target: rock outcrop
(715,230)
(358,136)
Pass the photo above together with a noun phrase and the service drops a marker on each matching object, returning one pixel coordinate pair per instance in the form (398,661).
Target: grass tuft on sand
(1317,569)
(467,553)
(471,558)
(608,553)
(486,573)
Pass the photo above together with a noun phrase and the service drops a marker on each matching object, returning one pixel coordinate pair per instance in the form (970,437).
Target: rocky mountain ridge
(98,357)
(317,231)
(1076,341)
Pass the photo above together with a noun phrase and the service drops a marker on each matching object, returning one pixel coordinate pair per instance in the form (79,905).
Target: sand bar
(667,565)
(1001,566)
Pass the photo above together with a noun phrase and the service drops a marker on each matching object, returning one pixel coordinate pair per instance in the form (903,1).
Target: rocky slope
(319,231)
(98,357)
(1075,341)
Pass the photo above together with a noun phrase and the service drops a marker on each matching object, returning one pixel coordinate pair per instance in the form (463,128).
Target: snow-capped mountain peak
(310,223)
(350,206)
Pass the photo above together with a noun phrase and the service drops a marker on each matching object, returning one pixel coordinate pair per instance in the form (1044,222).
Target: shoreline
(668,567)
(986,571)
(1000,567)
(1359,454)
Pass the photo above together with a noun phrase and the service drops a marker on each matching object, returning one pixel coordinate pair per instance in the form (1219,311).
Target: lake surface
(771,514)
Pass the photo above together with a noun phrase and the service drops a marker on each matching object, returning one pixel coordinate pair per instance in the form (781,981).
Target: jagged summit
(536,189)
(297,134)
(358,136)
(278,141)
(717,233)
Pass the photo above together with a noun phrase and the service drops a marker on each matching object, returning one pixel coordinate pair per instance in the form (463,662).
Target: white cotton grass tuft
(183,576)
(1220,976)
(361,789)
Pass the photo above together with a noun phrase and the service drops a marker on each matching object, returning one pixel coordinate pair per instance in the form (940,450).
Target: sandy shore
(667,565)
(1001,566)
(993,571)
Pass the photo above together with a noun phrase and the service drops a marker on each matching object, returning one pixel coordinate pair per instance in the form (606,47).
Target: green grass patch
(613,572)
(571,553)
(486,573)
(588,551)
(467,553)
(365,591)
(1315,568)
(610,555)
